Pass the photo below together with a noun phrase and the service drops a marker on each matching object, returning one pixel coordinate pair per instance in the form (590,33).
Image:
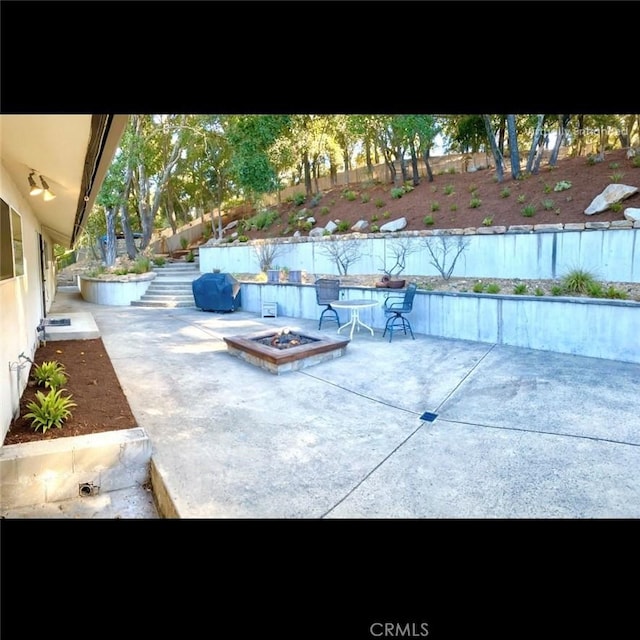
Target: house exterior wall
(21,305)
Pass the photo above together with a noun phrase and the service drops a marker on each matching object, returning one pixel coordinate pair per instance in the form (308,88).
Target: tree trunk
(426,155)
(563,120)
(132,252)
(513,147)
(536,144)
(307,177)
(414,165)
(110,244)
(345,159)
(497,156)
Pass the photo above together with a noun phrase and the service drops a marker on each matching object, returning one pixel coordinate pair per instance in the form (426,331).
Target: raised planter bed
(115,290)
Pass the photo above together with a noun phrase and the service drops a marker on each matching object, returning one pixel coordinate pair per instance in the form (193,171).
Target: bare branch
(441,248)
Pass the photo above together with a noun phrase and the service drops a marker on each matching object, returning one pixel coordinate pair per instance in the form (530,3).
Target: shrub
(299,198)
(350,195)
(364,198)
(521,198)
(343,225)
(520,289)
(493,288)
(475,202)
(142,265)
(448,190)
(190,257)
(614,165)
(578,280)
(616,207)
(617,176)
(397,192)
(428,220)
(505,193)
(538,292)
(453,207)
(615,294)
(636,161)
(488,221)
(548,204)
(159,261)
(49,410)
(548,188)
(386,215)
(473,188)
(184,243)
(50,374)
(379,203)
(556,290)
(562,185)
(324,211)
(435,206)
(478,287)
(375,228)
(528,211)
(243,238)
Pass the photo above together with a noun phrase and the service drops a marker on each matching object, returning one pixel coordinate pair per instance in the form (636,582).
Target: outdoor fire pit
(286,349)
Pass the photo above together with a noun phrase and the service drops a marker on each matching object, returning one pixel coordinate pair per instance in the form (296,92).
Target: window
(11,246)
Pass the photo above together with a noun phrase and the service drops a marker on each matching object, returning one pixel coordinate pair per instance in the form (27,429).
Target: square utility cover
(429,417)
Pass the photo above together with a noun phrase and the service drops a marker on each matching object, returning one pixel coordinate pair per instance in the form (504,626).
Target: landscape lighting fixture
(35,189)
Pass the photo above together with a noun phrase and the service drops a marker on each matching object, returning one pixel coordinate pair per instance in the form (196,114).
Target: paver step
(162,304)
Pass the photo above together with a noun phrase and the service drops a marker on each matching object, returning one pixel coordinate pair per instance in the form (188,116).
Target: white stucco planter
(116,290)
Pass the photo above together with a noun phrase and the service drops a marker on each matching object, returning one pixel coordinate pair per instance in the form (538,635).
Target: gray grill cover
(216,292)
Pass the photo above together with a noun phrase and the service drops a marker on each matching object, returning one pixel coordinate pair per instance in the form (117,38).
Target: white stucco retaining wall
(114,292)
(581,326)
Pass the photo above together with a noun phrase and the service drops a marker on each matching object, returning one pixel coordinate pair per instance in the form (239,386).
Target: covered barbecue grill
(216,292)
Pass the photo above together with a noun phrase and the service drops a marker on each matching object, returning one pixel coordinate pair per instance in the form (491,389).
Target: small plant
(428,221)
(386,215)
(324,210)
(435,206)
(479,287)
(451,170)
(615,294)
(159,261)
(299,198)
(453,207)
(350,195)
(614,165)
(343,225)
(493,288)
(528,211)
(556,290)
(616,207)
(142,265)
(50,374)
(434,189)
(49,410)
(488,221)
(617,176)
(538,292)
(578,281)
(520,289)
(563,185)
(475,202)
(505,193)
(521,198)
(379,203)
(241,238)
(184,243)
(374,228)
(364,198)
(636,161)
(397,193)
(595,290)
(473,188)
(548,204)
(548,188)
(375,217)
(448,190)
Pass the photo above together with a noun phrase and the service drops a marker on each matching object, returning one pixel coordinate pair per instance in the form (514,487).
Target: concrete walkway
(430,428)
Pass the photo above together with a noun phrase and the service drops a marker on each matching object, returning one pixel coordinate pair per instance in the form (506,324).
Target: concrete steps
(171,287)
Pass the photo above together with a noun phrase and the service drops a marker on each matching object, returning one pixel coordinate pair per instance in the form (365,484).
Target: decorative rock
(621,224)
(596,225)
(612,194)
(574,226)
(520,228)
(331,226)
(547,227)
(632,214)
(317,231)
(490,230)
(394,225)
(361,225)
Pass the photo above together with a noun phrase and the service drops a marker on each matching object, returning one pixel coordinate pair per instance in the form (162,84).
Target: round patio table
(354,307)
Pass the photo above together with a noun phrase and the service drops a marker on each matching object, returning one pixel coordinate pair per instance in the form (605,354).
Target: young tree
(344,253)
(497,156)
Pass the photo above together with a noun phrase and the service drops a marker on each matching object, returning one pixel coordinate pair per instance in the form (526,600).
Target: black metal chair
(396,307)
(327,291)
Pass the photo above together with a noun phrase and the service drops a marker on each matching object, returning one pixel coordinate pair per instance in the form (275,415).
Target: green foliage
(479,287)
(520,289)
(617,176)
(142,264)
(577,281)
(315,201)
(184,242)
(397,193)
(190,257)
(556,290)
(448,190)
(615,294)
(493,288)
(374,228)
(262,220)
(159,261)
(472,188)
(563,185)
(350,195)
(242,238)
(475,202)
(635,162)
(505,193)
(375,217)
(488,221)
(364,198)
(428,220)
(435,206)
(521,198)
(616,207)
(614,165)
(49,410)
(548,204)
(538,291)
(379,203)
(528,211)
(50,374)
(324,211)
(453,207)
(548,188)
(386,215)
(299,198)
(343,225)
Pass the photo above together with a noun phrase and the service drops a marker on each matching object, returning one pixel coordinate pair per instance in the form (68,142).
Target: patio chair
(327,290)
(396,307)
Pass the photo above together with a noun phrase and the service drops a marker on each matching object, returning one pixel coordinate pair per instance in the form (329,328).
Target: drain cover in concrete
(58,322)
(429,417)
